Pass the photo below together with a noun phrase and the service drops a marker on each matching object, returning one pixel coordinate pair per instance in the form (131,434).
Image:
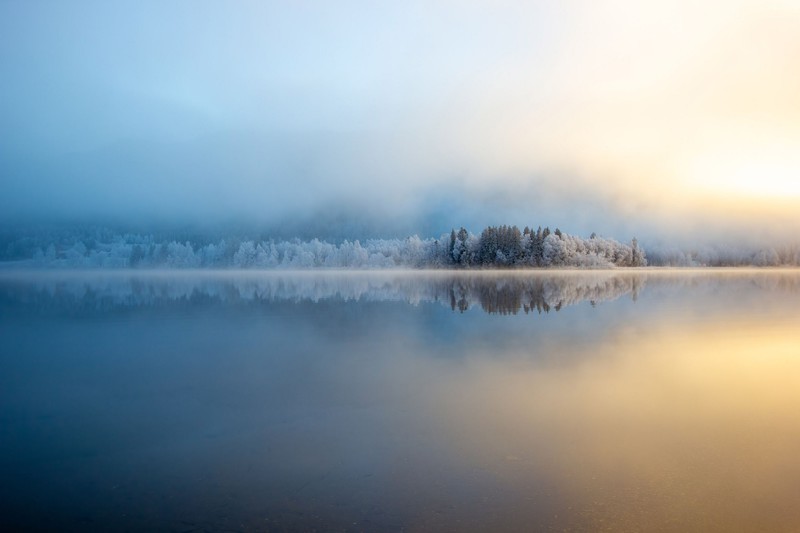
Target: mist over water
(650,400)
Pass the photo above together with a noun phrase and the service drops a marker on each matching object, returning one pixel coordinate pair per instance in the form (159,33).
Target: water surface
(621,400)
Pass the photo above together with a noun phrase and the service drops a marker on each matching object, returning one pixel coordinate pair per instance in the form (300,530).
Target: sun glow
(772,174)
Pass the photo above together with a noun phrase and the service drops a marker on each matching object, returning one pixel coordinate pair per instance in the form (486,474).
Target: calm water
(580,401)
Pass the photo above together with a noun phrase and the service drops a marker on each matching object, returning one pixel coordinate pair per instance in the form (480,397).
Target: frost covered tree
(637,254)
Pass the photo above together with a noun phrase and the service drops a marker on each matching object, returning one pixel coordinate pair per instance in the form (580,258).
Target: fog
(355,119)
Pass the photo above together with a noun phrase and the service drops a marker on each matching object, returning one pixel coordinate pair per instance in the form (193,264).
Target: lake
(642,400)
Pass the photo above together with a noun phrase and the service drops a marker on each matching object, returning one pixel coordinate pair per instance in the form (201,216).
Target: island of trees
(507,246)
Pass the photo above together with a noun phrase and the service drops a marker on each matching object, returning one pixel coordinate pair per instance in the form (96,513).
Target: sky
(674,120)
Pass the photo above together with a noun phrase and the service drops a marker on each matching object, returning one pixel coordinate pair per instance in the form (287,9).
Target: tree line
(495,247)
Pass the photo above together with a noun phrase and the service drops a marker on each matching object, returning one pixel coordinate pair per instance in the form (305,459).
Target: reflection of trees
(510,295)
(63,293)
(494,293)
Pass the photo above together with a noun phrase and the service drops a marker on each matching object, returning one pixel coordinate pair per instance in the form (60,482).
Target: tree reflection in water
(496,293)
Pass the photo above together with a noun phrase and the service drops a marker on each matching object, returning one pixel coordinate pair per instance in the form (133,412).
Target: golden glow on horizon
(684,110)
(766,175)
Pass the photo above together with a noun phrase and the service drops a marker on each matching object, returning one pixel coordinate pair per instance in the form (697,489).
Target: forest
(495,247)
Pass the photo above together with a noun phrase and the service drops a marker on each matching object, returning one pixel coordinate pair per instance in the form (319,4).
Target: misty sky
(656,118)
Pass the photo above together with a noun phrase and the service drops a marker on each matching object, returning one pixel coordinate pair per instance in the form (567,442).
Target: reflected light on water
(694,429)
